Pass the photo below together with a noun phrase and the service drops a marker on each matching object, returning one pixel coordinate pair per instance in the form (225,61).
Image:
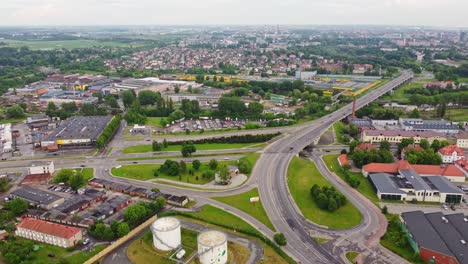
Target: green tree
(128,97)
(183,166)
(332,206)
(187,149)
(196,164)
(280,239)
(165,143)
(322,201)
(385,145)
(76,180)
(135,214)
(213,164)
(161,202)
(224,173)
(176,89)
(424,144)
(15,112)
(156,146)
(147,97)
(123,229)
(17,206)
(88,109)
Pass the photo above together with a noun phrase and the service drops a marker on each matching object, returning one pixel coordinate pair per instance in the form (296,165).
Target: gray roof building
(384,184)
(37,196)
(82,128)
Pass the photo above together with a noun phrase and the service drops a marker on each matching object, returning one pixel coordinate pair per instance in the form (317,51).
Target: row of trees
(363,157)
(327,198)
(232,139)
(108,132)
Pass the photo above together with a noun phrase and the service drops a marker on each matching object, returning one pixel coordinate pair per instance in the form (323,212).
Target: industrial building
(50,233)
(418,124)
(38,121)
(37,197)
(395,136)
(437,238)
(76,131)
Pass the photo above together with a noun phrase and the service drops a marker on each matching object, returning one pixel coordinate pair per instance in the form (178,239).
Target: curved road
(269,175)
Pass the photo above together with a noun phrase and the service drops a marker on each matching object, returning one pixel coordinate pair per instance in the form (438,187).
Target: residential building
(343,160)
(50,233)
(462,140)
(395,136)
(449,171)
(437,238)
(37,197)
(305,75)
(41,167)
(451,153)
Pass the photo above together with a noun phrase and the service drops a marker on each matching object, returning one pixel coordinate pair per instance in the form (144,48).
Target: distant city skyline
(448,13)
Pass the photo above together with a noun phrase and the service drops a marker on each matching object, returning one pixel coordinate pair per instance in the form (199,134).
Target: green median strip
(242,202)
(302,175)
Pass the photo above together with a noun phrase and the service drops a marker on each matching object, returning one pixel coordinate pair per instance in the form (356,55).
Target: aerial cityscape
(218,132)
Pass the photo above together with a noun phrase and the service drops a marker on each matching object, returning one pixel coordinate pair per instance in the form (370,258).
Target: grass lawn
(206,146)
(144,172)
(153,121)
(365,187)
(351,255)
(142,250)
(391,240)
(338,126)
(15,120)
(251,159)
(399,94)
(214,217)
(40,256)
(241,202)
(302,174)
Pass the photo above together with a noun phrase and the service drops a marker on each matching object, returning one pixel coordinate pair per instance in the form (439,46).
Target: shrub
(280,239)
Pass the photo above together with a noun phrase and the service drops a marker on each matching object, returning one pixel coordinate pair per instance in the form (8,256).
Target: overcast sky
(451,13)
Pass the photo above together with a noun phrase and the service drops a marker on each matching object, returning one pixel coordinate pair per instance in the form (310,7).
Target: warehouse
(37,197)
(77,131)
(436,237)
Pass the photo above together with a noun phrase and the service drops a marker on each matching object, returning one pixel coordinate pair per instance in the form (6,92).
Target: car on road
(135,162)
(3,158)
(82,165)
(226,158)
(86,241)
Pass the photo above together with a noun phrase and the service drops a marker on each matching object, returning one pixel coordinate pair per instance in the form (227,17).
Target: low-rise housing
(462,140)
(451,153)
(50,233)
(41,167)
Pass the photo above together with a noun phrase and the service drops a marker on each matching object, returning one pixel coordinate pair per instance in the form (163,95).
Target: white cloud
(66,12)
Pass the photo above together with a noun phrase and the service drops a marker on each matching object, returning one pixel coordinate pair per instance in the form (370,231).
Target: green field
(61,44)
(242,202)
(154,121)
(399,94)
(365,187)
(72,257)
(458,114)
(302,174)
(206,146)
(142,250)
(351,255)
(338,127)
(17,120)
(144,172)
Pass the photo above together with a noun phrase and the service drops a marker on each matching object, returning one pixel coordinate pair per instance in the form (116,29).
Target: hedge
(232,139)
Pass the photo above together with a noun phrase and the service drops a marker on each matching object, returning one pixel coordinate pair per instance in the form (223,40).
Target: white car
(86,241)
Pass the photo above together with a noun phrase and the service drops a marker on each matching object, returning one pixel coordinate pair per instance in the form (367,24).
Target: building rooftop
(450,149)
(423,233)
(443,184)
(393,168)
(36,195)
(384,184)
(80,127)
(40,163)
(49,228)
(403,133)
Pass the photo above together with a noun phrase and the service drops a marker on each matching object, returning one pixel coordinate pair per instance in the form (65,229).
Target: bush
(280,239)
(327,198)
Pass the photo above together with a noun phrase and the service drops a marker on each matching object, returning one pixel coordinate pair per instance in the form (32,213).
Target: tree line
(108,132)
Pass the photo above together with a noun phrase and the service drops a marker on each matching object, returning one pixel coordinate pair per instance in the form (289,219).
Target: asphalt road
(269,175)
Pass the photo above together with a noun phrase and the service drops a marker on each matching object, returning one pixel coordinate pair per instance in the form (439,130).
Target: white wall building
(41,167)
(50,233)
(451,153)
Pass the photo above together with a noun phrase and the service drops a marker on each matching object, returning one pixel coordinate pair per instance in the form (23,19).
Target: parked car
(86,241)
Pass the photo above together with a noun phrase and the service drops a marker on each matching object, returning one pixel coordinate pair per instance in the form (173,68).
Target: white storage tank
(166,233)
(212,247)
